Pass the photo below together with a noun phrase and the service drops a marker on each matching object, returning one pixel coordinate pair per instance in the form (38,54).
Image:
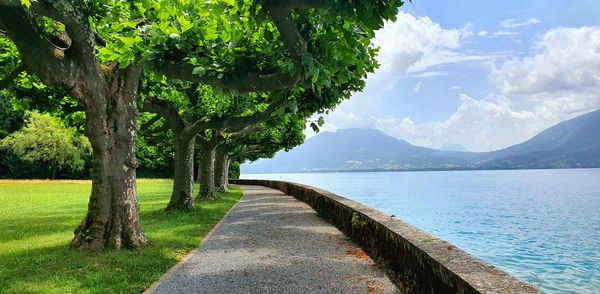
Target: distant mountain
(573,143)
(357,149)
(454,147)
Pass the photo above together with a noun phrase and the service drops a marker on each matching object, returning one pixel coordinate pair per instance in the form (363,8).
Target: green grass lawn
(37,219)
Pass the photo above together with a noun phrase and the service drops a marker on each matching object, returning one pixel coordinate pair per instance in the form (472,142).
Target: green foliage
(215,36)
(36,226)
(225,40)
(234,170)
(9,57)
(154,149)
(358,222)
(45,141)
(28,93)
(26,3)
(10,119)
(229,38)
(285,133)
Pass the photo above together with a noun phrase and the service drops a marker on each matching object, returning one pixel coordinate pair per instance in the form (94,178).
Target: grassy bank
(37,219)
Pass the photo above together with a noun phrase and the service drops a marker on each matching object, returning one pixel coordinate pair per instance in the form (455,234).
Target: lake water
(542,226)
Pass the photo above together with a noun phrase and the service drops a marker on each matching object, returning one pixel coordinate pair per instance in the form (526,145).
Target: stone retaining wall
(417,261)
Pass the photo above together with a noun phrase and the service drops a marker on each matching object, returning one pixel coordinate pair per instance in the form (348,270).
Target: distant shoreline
(415,170)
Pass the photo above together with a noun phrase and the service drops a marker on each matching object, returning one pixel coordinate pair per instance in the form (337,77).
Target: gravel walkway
(273,243)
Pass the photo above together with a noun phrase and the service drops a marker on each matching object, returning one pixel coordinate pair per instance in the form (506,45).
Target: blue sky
(483,74)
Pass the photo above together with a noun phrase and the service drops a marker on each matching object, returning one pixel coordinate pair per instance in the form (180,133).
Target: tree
(234,123)
(184,134)
(260,141)
(67,58)
(98,50)
(190,110)
(206,172)
(45,142)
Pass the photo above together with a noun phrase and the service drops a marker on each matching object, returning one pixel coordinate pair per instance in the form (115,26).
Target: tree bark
(207,173)
(220,168)
(182,197)
(226,171)
(112,220)
(199,171)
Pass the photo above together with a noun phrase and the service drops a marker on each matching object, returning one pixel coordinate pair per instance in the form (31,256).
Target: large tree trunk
(221,169)
(108,96)
(112,220)
(207,173)
(182,197)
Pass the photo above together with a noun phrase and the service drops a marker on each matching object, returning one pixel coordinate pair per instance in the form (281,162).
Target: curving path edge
(272,243)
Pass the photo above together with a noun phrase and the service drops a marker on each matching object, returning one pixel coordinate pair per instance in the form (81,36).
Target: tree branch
(236,124)
(157,135)
(99,40)
(201,125)
(243,83)
(7,81)
(151,122)
(214,140)
(40,56)
(250,150)
(246,130)
(176,121)
(281,12)
(76,24)
(166,110)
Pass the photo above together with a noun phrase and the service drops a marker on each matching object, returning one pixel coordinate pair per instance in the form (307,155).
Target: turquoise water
(542,226)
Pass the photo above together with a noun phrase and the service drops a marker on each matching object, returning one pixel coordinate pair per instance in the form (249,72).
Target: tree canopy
(213,67)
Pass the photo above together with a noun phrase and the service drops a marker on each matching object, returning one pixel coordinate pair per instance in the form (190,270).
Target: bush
(44,148)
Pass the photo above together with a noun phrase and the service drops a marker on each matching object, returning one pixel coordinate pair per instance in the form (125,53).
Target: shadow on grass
(25,228)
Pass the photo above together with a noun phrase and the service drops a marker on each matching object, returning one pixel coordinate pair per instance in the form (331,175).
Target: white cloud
(415,44)
(482,33)
(410,47)
(428,74)
(562,76)
(417,87)
(479,125)
(559,80)
(564,59)
(503,33)
(513,23)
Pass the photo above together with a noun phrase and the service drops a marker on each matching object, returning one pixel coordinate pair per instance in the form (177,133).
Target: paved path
(272,243)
